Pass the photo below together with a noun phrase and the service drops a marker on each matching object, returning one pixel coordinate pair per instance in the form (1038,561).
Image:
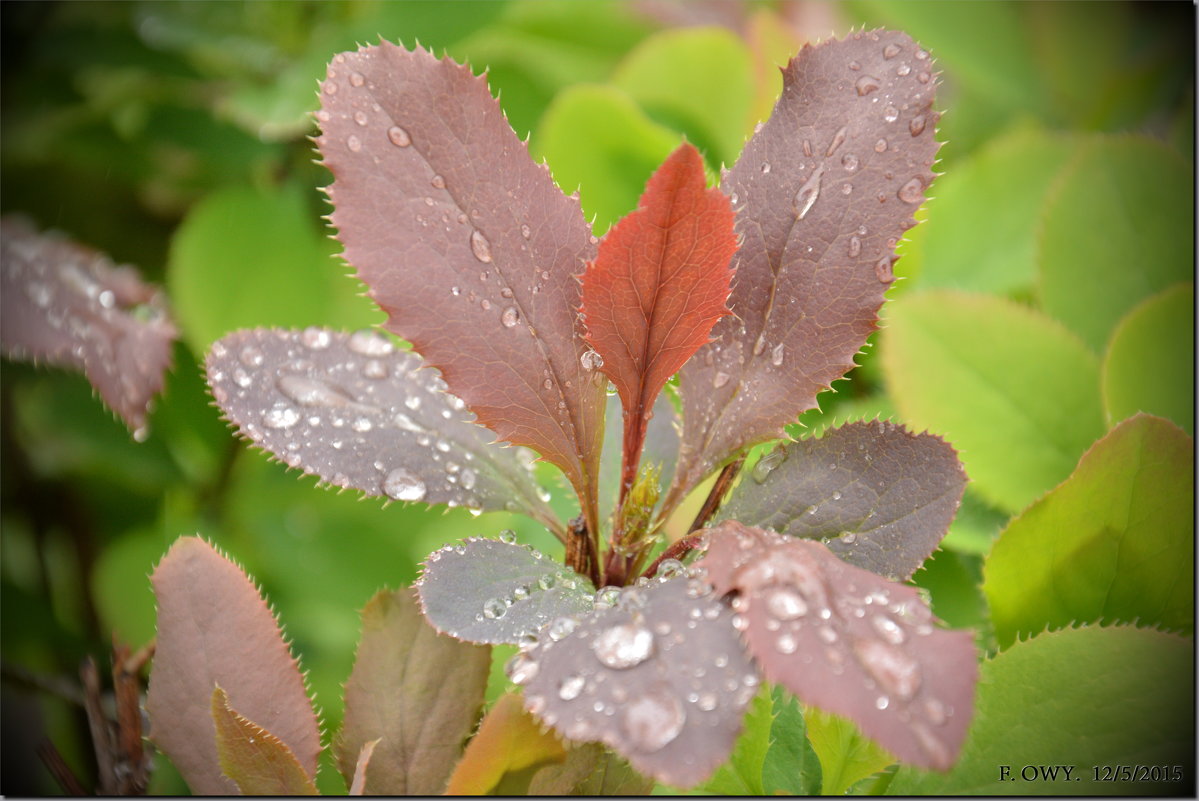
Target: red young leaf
(468,246)
(845,640)
(258,761)
(657,287)
(214,628)
(73,307)
(822,193)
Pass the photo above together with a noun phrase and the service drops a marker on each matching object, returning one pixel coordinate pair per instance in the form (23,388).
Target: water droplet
(374,369)
(882,702)
(316,338)
(903,70)
(884,272)
(606,598)
(402,485)
(786,644)
(912,191)
(468,479)
(828,635)
(776,355)
(849,537)
(438,182)
(934,710)
(356,79)
(890,114)
(361,118)
(494,608)
(361,425)
(720,379)
(368,343)
(921,55)
(520,592)
(591,360)
(398,136)
(855,247)
(570,687)
(805,198)
(669,568)
(653,720)
(766,465)
(880,146)
(786,604)
(916,126)
(866,84)
(838,140)
(923,77)
(312,392)
(891,50)
(330,88)
(855,66)
(891,668)
(706,702)
(285,417)
(526,231)
(888,629)
(561,628)
(510,317)
(765,167)
(521,668)
(251,356)
(354,143)
(623,646)
(480,246)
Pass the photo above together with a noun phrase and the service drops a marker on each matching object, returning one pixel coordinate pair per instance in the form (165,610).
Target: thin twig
(98,724)
(716,494)
(59,769)
(676,550)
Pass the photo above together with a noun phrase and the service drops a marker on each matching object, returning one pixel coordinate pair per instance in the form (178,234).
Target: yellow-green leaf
(258,761)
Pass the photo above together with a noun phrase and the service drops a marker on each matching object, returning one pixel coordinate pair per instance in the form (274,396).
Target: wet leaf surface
(495,591)
(70,306)
(207,606)
(414,693)
(258,761)
(360,414)
(847,641)
(880,496)
(467,244)
(822,192)
(657,287)
(661,678)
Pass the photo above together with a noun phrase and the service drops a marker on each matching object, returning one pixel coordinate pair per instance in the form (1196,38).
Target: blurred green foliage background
(173,136)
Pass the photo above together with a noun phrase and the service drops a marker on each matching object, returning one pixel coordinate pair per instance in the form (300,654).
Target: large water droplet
(894,670)
(606,598)
(653,720)
(766,465)
(312,392)
(838,140)
(438,182)
(912,191)
(786,604)
(368,343)
(480,246)
(891,50)
(521,668)
(356,79)
(623,646)
(890,114)
(316,338)
(403,485)
(398,136)
(494,608)
(916,126)
(669,568)
(806,197)
(570,687)
(884,272)
(591,360)
(354,143)
(285,417)
(510,317)
(866,84)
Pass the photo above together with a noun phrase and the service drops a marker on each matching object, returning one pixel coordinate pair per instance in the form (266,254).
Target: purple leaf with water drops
(662,678)
(845,640)
(70,306)
(822,193)
(880,496)
(361,414)
(469,247)
(496,591)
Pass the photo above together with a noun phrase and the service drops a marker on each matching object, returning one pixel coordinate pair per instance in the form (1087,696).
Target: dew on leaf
(285,417)
(888,629)
(570,687)
(866,84)
(510,317)
(786,644)
(361,118)
(912,191)
(776,355)
(838,140)
(891,668)
(916,126)
(521,668)
(508,536)
(786,604)
(312,392)
(494,608)
(402,485)
(806,197)
(591,360)
(354,143)
(623,646)
(356,79)
(720,379)
(653,720)
(850,162)
(368,343)
(606,597)
(855,247)
(890,51)
(480,246)
(398,136)
(316,338)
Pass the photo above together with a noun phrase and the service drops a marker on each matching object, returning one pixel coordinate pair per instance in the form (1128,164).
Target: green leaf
(981,229)
(1085,698)
(597,139)
(506,752)
(742,774)
(791,766)
(1012,390)
(258,761)
(1150,361)
(695,80)
(1115,542)
(1116,228)
(975,526)
(845,755)
(589,769)
(245,257)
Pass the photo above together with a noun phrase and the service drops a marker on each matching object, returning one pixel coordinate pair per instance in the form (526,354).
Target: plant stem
(717,493)
(676,550)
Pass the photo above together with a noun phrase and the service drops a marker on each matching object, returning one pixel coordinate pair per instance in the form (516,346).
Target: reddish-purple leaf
(662,679)
(360,414)
(415,693)
(878,495)
(658,285)
(256,760)
(214,629)
(72,307)
(468,246)
(358,779)
(822,192)
(845,640)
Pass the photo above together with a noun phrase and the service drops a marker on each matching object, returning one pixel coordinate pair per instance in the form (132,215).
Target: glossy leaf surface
(258,761)
(881,496)
(490,591)
(467,245)
(657,287)
(845,640)
(207,605)
(360,414)
(70,306)
(1115,542)
(822,192)
(414,692)
(661,678)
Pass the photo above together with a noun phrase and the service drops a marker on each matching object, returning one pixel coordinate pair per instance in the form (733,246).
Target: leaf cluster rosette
(757,293)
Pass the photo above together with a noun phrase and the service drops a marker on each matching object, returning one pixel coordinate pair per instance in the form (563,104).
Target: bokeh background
(174,137)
